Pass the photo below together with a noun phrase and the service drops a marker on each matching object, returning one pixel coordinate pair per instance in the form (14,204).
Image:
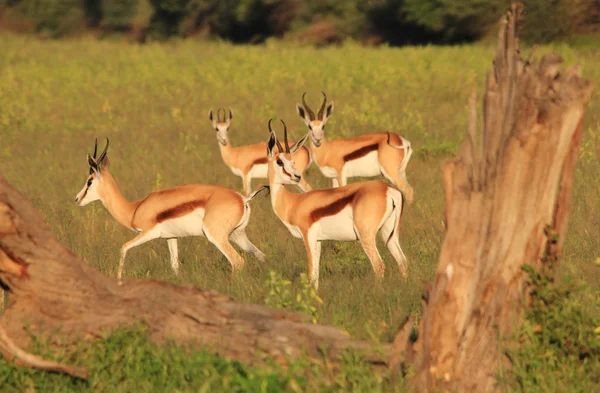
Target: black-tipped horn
(95,148)
(320,114)
(92,163)
(311,114)
(103,155)
(285,138)
(279,147)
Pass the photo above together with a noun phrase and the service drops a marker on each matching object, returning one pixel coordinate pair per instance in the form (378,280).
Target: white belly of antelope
(188,225)
(259,171)
(337,227)
(328,172)
(236,171)
(367,165)
(293,230)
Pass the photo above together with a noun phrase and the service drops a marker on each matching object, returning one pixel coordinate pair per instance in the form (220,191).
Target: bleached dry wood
(501,193)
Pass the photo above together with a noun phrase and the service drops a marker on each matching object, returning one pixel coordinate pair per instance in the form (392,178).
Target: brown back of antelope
(383,153)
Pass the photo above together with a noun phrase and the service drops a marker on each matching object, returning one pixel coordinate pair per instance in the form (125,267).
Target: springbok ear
(271,143)
(229,117)
(298,144)
(211,117)
(302,113)
(104,164)
(328,111)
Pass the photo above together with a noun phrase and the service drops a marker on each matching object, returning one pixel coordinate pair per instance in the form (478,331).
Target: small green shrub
(558,346)
(279,294)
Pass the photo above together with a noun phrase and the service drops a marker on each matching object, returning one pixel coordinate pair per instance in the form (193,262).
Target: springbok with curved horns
(250,161)
(219,213)
(382,153)
(348,213)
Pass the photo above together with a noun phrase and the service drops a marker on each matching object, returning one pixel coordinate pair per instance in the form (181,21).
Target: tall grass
(152,102)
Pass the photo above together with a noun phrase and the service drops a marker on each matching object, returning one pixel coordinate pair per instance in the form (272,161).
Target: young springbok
(353,212)
(217,212)
(250,161)
(382,153)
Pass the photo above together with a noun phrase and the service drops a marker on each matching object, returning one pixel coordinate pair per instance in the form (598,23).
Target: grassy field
(152,102)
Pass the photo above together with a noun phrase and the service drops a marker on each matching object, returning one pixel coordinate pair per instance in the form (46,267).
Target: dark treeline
(316,21)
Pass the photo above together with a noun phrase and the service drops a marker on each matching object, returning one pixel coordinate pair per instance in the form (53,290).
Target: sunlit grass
(152,102)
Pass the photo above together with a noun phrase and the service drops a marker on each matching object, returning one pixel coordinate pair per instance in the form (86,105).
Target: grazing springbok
(219,213)
(250,161)
(382,153)
(353,212)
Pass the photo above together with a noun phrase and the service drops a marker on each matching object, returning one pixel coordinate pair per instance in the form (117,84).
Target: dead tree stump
(511,184)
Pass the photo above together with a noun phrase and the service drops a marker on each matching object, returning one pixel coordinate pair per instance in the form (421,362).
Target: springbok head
(316,124)
(281,161)
(221,126)
(91,190)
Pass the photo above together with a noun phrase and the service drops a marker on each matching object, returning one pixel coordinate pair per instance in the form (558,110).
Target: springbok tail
(407,154)
(255,193)
(404,146)
(398,202)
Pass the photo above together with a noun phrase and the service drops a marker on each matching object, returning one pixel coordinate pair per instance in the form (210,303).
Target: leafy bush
(558,346)
(314,21)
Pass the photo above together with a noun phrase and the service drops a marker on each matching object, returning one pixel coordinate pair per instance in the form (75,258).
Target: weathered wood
(58,296)
(500,197)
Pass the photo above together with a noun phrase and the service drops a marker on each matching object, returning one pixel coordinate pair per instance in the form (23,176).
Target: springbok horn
(91,160)
(320,114)
(103,155)
(95,148)
(285,139)
(279,147)
(311,114)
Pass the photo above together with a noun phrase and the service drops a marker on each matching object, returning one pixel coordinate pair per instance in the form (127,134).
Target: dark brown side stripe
(331,209)
(363,151)
(259,161)
(178,211)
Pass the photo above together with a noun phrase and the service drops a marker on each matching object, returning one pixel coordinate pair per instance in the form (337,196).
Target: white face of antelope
(90,191)
(316,124)
(221,126)
(281,161)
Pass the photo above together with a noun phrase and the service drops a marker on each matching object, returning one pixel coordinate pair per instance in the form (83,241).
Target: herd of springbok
(346,212)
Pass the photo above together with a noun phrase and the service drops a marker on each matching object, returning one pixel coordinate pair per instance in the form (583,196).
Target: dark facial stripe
(178,211)
(84,193)
(286,172)
(363,151)
(331,209)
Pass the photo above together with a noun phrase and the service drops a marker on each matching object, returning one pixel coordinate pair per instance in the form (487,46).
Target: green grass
(152,102)
(128,361)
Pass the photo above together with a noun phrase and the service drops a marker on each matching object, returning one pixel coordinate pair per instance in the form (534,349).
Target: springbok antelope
(353,212)
(219,213)
(382,153)
(250,161)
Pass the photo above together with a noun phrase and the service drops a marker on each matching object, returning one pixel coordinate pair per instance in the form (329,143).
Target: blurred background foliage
(318,22)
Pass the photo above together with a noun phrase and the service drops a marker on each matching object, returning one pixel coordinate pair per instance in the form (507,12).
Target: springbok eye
(89,183)
(217,129)
(279,162)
